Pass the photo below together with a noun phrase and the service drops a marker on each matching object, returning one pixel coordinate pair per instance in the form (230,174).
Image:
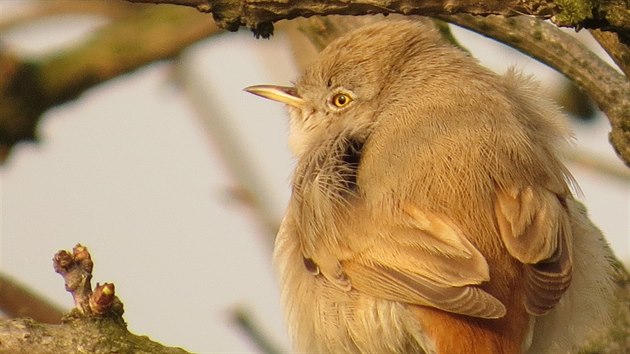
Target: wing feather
(425,259)
(535,228)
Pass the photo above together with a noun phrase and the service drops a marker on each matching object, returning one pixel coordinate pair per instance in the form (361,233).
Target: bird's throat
(329,170)
(349,163)
(325,191)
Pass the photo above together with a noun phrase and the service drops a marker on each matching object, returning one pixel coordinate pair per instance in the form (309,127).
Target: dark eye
(341,100)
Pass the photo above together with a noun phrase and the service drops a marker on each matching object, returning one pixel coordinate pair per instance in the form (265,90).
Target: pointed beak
(284,94)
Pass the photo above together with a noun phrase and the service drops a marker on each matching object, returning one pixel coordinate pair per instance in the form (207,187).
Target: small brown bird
(430,211)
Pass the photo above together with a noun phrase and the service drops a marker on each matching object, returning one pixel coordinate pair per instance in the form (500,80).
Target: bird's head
(354,79)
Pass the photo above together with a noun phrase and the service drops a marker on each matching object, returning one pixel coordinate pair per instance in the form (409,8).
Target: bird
(430,210)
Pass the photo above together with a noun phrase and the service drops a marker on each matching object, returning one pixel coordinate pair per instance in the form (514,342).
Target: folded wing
(425,259)
(535,227)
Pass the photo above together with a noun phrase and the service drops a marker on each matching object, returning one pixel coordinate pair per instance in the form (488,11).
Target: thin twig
(250,189)
(592,161)
(247,324)
(260,15)
(199,4)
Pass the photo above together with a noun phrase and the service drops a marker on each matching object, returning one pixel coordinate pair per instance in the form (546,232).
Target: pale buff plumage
(430,210)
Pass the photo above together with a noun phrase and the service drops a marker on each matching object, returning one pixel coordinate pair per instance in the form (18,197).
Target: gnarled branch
(259,15)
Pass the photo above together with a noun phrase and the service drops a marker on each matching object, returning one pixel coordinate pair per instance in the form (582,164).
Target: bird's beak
(284,94)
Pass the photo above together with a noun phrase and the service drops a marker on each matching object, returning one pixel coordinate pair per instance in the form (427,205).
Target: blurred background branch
(18,301)
(253,330)
(140,35)
(45,9)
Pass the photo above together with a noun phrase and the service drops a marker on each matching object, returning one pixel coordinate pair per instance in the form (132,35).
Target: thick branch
(94,326)
(77,335)
(260,14)
(615,47)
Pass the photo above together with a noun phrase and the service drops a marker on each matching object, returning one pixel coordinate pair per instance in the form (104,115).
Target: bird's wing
(425,259)
(535,227)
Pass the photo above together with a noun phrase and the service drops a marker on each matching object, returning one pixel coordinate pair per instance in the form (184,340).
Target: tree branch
(96,335)
(246,323)
(201,5)
(248,187)
(615,47)
(259,15)
(27,89)
(94,326)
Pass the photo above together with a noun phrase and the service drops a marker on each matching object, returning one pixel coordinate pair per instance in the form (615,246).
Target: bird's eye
(341,100)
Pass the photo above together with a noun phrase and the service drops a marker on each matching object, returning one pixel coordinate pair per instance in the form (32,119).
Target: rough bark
(97,335)
(259,15)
